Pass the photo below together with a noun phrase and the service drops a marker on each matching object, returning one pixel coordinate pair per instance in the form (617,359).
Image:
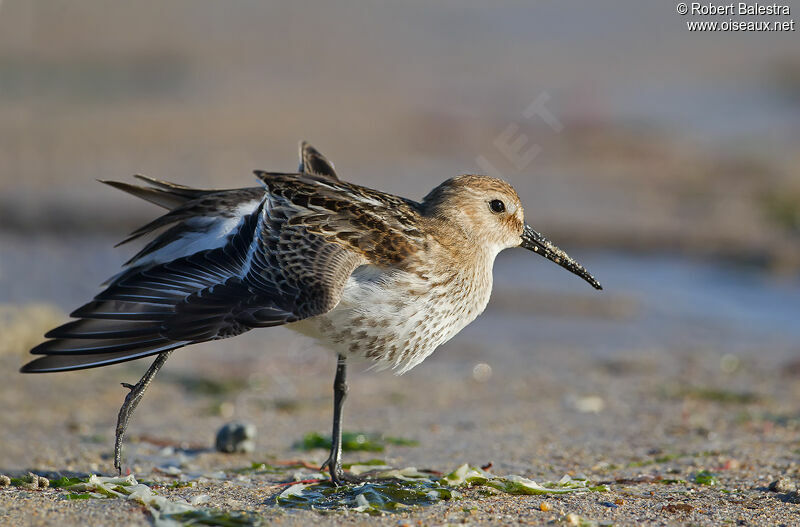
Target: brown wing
(382,228)
(270,272)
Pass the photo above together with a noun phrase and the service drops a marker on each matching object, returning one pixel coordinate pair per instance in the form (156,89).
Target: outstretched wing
(199,216)
(228,261)
(269,271)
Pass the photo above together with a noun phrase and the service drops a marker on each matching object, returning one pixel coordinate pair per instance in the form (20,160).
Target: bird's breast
(397,318)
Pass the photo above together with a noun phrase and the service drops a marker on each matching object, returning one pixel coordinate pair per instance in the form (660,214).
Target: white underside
(380,309)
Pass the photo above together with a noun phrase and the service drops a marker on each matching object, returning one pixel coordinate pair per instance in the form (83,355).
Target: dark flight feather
(272,268)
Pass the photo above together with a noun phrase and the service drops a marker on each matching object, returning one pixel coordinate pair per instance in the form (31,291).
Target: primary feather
(228,261)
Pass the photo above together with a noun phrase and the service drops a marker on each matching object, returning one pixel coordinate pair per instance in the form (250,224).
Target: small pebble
(782,485)
(43,482)
(573,519)
(5,481)
(544,506)
(236,437)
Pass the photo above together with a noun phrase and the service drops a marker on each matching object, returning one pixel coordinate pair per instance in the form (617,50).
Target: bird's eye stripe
(497,206)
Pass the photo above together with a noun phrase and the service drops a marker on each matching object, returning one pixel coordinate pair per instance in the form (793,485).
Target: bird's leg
(334,461)
(131,401)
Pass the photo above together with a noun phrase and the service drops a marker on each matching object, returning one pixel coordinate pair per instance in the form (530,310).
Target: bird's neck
(464,261)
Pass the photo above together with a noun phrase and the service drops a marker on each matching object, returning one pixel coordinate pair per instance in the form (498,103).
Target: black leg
(131,401)
(334,461)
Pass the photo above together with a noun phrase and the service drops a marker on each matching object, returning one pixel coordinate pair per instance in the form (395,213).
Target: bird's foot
(338,476)
(334,466)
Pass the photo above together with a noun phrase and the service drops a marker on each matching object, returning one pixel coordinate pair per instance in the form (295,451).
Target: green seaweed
(64,482)
(704,477)
(468,476)
(397,490)
(353,441)
(374,497)
(80,496)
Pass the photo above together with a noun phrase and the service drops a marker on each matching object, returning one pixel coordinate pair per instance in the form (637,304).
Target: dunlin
(367,274)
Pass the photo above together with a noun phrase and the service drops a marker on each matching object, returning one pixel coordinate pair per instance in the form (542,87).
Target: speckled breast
(396,318)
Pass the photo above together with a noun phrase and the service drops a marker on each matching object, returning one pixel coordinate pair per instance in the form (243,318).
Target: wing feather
(313,162)
(267,273)
(232,260)
(53,363)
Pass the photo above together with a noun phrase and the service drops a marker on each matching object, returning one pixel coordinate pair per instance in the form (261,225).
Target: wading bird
(366,273)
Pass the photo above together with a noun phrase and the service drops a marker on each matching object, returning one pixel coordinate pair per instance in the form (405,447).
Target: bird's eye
(497,206)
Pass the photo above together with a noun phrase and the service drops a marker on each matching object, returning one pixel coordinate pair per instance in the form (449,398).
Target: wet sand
(585,386)
(659,418)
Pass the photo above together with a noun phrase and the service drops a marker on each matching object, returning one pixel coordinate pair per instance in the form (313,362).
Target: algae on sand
(705,477)
(164,512)
(398,489)
(383,491)
(371,497)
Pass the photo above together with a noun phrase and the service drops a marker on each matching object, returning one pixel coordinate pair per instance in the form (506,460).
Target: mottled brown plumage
(368,274)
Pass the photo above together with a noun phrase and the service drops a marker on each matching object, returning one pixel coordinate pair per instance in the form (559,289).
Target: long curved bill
(536,242)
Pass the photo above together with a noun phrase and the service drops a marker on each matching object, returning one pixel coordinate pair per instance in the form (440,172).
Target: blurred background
(666,161)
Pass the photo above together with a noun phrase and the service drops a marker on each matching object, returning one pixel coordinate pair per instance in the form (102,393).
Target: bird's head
(489,213)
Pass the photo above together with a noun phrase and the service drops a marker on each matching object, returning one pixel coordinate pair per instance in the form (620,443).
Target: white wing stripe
(215,233)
